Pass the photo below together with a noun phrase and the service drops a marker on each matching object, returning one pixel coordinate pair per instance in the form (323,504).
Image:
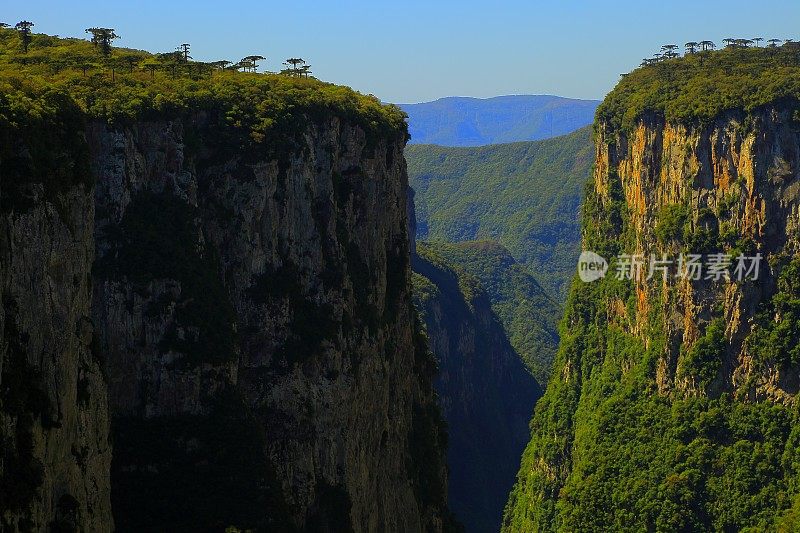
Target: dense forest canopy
(699,86)
(122,84)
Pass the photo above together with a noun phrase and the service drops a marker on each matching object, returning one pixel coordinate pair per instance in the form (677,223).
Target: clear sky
(411,50)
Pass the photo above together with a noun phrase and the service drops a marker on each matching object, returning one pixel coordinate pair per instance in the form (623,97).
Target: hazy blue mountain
(461,121)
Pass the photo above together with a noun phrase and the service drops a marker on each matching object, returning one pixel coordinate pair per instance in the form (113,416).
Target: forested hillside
(525,196)
(528,315)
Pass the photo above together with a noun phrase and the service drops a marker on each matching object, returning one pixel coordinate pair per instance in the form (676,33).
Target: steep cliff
(527,313)
(485,391)
(55,452)
(220,266)
(672,404)
(289,283)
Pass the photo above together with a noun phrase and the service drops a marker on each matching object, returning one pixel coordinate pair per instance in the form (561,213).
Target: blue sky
(412,51)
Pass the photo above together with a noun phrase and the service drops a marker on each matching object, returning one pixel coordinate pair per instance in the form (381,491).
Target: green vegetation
(41,144)
(671,223)
(528,314)
(608,453)
(698,87)
(704,359)
(132,84)
(776,336)
(523,195)
(617,444)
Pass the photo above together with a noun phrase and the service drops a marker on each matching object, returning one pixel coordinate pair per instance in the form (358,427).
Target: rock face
(486,393)
(731,187)
(55,452)
(251,311)
(645,364)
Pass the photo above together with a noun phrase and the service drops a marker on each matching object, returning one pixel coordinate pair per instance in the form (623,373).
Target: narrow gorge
(234,300)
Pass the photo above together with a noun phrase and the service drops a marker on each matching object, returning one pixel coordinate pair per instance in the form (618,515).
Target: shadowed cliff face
(274,287)
(249,304)
(54,443)
(486,393)
(483,387)
(672,401)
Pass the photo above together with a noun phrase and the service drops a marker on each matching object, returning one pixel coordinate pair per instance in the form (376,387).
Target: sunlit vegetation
(122,84)
(528,314)
(523,195)
(700,86)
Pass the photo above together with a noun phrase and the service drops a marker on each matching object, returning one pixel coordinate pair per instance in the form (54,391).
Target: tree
(668,51)
(757,40)
(24,29)
(773,43)
(221,64)
(102,38)
(691,47)
(730,42)
(152,64)
(707,45)
(170,60)
(84,63)
(184,50)
(293,66)
(3,25)
(251,62)
(131,61)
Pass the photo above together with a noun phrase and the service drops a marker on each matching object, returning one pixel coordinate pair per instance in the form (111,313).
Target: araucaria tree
(293,66)
(102,38)
(184,50)
(668,51)
(24,29)
(171,60)
(691,47)
(705,46)
(250,63)
(222,64)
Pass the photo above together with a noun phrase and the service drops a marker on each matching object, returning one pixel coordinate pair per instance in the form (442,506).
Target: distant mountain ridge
(465,121)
